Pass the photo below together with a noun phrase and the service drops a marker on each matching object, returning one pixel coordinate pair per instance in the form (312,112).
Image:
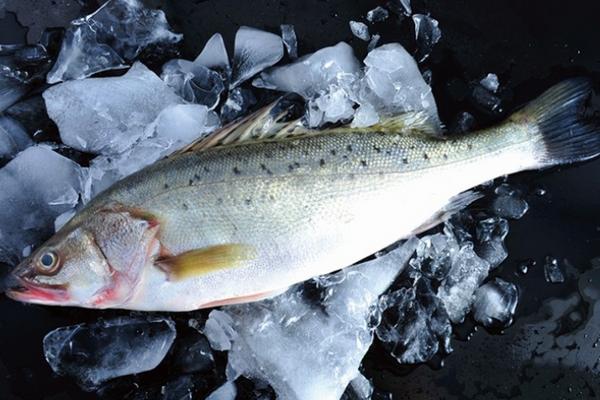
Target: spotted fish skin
(302,206)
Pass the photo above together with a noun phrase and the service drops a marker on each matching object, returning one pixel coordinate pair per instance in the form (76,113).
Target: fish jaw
(23,291)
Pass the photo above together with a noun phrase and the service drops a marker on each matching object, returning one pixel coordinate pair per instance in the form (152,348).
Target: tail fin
(567,131)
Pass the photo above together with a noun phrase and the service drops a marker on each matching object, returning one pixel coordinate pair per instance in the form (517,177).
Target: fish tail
(567,129)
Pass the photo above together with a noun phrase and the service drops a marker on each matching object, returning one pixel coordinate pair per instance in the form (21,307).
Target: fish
(263,204)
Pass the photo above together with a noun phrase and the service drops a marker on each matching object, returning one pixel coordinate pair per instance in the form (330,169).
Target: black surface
(530,45)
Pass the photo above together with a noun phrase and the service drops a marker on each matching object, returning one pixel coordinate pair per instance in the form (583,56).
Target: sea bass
(243,215)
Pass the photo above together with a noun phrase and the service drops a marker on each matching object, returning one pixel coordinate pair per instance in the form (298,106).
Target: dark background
(551,351)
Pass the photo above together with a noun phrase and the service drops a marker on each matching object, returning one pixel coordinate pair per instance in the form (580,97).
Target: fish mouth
(21,290)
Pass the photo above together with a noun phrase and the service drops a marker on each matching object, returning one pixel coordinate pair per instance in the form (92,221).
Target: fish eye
(48,261)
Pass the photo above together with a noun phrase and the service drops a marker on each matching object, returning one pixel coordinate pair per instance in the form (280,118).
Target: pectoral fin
(199,262)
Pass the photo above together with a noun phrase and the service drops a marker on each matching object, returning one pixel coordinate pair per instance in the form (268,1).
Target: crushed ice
(323,327)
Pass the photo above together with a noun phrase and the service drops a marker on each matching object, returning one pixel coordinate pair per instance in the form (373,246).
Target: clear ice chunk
(37,186)
(457,290)
(427,33)
(373,42)
(332,106)
(414,324)
(508,202)
(174,128)
(95,353)
(463,123)
(486,101)
(495,304)
(273,340)
(365,116)
(362,388)
(377,14)
(254,50)
(109,38)
(393,83)
(490,82)
(13,137)
(288,35)
(108,115)
(227,391)
(552,271)
(312,74)
(214,55)
(360,30)
(490,234)
(434,256)
(194,82)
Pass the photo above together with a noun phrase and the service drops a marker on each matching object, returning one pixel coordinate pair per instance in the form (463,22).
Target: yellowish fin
(202,261)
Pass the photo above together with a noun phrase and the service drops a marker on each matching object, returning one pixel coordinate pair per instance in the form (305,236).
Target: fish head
(95,263)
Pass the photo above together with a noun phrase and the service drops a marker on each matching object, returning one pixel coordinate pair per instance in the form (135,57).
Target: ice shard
(254,51)
(307,350)
(108,115)
(95,353)
(109,38)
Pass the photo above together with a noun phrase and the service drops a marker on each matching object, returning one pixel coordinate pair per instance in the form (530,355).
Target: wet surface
(551,351)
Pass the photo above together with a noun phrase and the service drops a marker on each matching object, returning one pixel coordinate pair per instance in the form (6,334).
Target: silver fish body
(309,205)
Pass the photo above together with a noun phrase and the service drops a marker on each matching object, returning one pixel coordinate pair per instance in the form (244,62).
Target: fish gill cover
(308,342)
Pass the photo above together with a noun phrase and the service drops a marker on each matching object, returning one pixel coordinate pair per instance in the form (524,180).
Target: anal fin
(456,204)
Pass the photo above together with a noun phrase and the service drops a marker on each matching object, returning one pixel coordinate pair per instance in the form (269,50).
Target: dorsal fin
(266,123)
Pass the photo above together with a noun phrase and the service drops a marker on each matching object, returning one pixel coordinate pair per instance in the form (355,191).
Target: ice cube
(193,82)
(365,116)
(175,127)
(109,38)
(490,82)
(373,42)
(37,186)
(393,83)
(414,325)
(214,55)
(495,304)
(463,123)
(360,30)
(313,73)
(13,85)
(377,14)
(427,33)
(254,50)
(332,106)
(95,353)
(401,6)
(13,137)
(552,271)
(304,350)
(508,203)
(288,35)
(361,387)
(467,273)
(227,391)
(237,104)
(490,235)
(434,256)
(108,115)
(486,101)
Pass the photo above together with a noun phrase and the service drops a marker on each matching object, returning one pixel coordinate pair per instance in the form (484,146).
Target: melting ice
(95,353)
(13,137)
(254,51)
(303,349)
(495,304)
(117,109)
(108,39)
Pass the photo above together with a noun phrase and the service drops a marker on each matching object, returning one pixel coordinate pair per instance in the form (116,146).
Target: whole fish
(246,213)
